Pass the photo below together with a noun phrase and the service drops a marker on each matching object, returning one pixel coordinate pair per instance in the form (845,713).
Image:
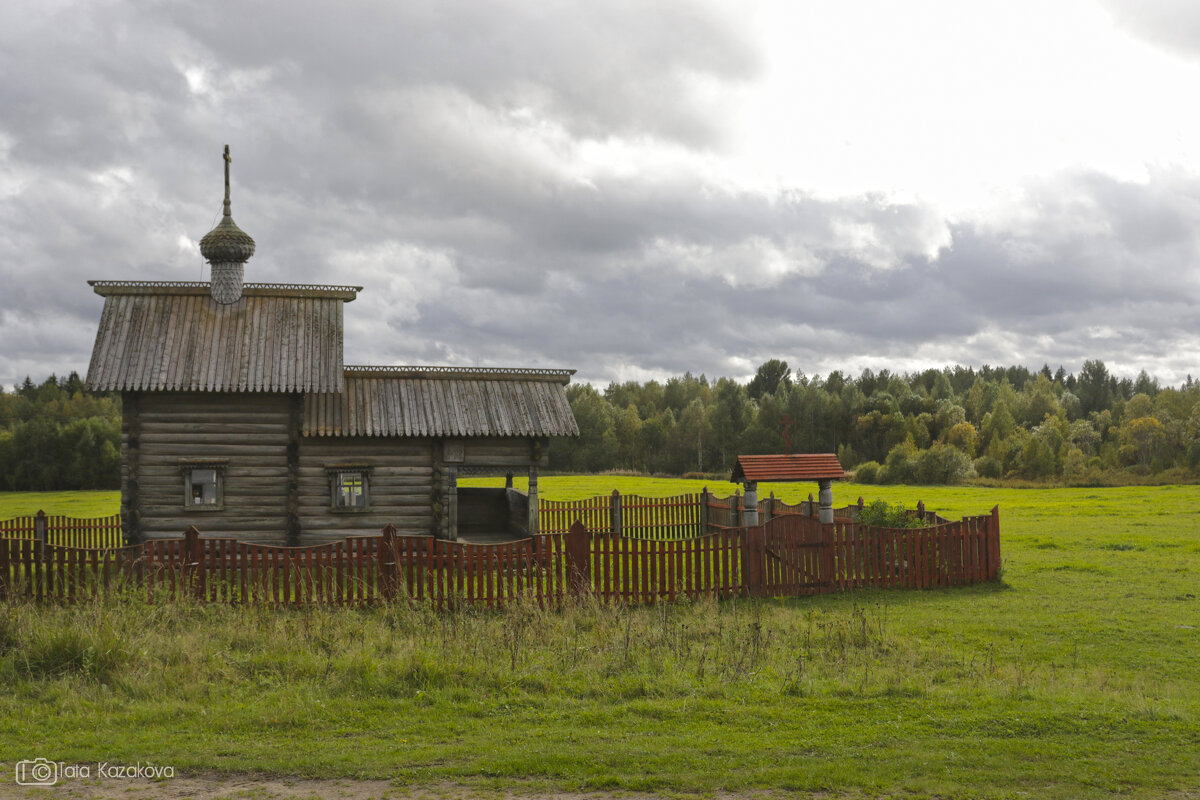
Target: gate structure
(797,557)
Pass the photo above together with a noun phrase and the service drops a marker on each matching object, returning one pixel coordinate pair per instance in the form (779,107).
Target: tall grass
(1073,678)
(583,649)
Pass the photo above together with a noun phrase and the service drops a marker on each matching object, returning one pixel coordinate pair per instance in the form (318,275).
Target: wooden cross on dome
(228,161)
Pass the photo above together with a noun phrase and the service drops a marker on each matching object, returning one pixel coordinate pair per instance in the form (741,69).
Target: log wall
(275,484)
(401,486)
(248,431)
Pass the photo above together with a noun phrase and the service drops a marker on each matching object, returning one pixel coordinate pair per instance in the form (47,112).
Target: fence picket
(668,548)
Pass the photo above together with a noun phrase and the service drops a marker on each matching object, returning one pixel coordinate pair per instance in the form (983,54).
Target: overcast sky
(630,189)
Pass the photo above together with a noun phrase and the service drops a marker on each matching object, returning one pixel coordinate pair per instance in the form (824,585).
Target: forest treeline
(935,426)
(59,436)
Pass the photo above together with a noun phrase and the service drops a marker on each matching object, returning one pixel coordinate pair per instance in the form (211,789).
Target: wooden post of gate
(754,557)
(387,563)
(614,515)
(40,531)
(735,509)
(993,544)
(533,525)
(193,555)
(825,563)
(703,512)
(769,510)
(578,551)
(4,568)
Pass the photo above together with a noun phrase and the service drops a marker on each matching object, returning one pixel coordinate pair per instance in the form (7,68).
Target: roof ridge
(442,372)
(109,288)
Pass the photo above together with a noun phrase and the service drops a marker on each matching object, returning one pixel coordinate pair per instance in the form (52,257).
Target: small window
(350,489)
(203,486)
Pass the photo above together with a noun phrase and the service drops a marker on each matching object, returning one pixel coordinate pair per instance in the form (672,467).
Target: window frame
(335,472)
(187,468)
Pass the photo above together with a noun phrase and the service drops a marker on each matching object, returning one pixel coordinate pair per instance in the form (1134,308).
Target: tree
(964,437)
(1140,405)
(901,464)
(768,378)
(690,440)
(1142,440)
(596,447)
(627,428)
(1094,387)
(998,425)
(943,464)
(731,414)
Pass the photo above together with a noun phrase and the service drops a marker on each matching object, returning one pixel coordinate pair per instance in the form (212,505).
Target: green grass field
(1078,676)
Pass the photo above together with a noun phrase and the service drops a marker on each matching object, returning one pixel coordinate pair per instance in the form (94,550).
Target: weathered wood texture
(268,341)
(96,532)
(276,483)
(792,555)
(401,486)
(249,432)
(414,401)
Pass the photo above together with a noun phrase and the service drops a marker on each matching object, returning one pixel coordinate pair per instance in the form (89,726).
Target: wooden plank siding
(173,337)
(401,486)
(251,435)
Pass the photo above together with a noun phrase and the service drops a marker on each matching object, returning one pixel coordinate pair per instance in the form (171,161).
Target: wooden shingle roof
(443,401)
(172,336)
(801,467)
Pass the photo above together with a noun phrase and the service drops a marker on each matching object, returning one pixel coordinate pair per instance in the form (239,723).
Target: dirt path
(254,787)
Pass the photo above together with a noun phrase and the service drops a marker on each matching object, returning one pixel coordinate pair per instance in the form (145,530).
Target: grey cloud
(598,67)
(386,146)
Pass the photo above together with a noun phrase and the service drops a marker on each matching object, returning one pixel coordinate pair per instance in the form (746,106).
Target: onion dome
(226,242)
(227,248)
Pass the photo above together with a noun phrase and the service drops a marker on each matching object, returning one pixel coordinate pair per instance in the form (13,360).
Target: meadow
(1075,676)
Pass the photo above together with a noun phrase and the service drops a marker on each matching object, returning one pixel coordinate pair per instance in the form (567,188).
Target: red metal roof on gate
(801,467)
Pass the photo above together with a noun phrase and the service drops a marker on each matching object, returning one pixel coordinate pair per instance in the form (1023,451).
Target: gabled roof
(443,401)
(801,467)
(172,336)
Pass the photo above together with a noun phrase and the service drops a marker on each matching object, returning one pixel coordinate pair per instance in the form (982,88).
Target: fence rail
(94,532)
(664,518)
(790,555)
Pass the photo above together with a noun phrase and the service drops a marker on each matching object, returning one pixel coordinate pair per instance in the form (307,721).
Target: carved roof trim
(112,288)
(461,373)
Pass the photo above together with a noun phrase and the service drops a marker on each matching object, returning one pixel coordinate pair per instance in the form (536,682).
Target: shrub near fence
(789,555)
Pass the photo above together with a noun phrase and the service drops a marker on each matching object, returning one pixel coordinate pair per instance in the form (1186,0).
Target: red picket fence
(95,532)
(39,571)
(949,554)
(635,571)
(800,555)
(358,570)
(684,516)
(219,569)
(557,516)
(789,556)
